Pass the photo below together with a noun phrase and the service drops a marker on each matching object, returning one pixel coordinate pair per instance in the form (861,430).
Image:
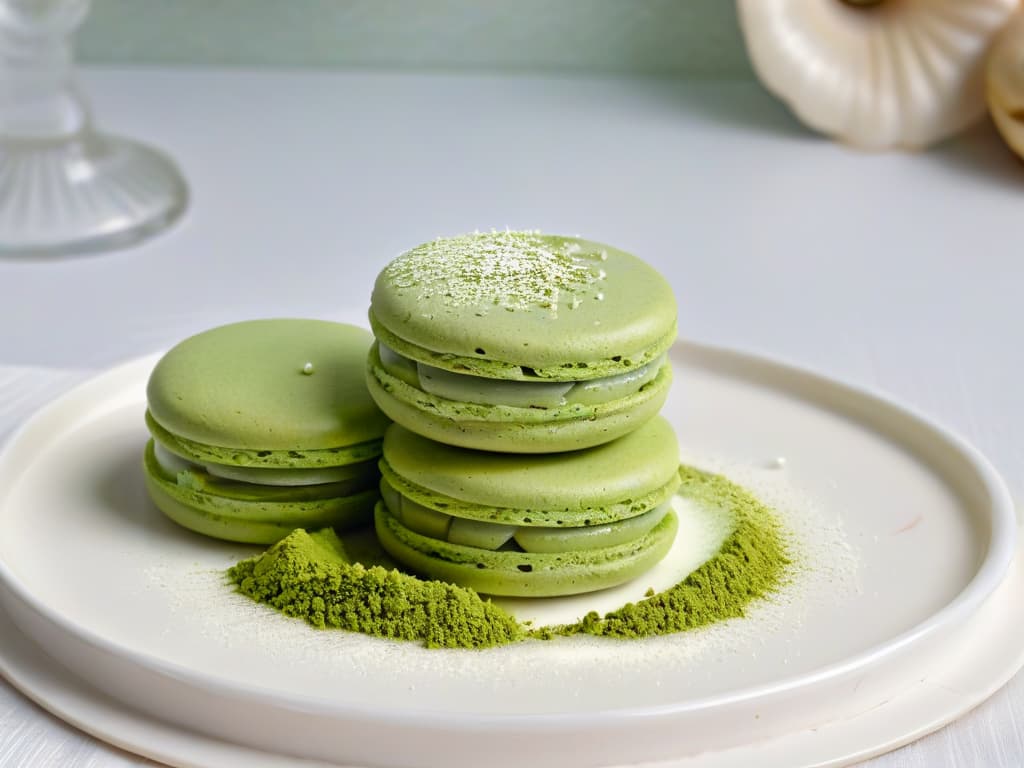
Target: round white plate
(936,695)
(134,606)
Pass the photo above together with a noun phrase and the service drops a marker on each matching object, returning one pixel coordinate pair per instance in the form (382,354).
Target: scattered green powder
(310,576)
(750,565)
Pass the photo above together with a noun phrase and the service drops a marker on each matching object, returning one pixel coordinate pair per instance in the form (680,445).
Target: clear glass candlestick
(65,188)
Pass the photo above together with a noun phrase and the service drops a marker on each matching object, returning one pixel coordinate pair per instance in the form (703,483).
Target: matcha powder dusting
(310,576)
(751,564)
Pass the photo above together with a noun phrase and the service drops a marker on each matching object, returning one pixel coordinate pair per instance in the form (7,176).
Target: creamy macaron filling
(468,388)
(173,464)
(517,538)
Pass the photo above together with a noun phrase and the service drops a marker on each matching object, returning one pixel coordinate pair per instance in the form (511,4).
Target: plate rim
(43,697)
(990,573)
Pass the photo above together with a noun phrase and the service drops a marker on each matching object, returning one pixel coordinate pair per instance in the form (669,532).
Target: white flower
(1005,85)
(878,75)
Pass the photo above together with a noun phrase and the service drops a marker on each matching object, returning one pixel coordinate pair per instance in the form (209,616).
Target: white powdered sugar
(502,269)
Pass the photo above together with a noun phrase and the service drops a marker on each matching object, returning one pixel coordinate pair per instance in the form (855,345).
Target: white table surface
(900,272)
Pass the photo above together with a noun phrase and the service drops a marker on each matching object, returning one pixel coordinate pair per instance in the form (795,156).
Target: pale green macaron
(529,526)
(520,342)
(262,427)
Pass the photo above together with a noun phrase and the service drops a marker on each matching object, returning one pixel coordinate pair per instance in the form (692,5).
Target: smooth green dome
(625,469)
(276,385)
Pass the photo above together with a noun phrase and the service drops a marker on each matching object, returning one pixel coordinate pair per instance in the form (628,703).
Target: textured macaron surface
(610,476)
(247,512)
(524,305)
(525,574)
(271,385)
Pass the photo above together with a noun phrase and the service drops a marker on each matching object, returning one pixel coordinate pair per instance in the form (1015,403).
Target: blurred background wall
(695,38)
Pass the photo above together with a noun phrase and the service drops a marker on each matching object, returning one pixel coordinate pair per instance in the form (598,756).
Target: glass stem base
(90,192)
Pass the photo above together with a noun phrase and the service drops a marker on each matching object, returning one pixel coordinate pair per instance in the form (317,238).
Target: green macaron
(262,427)
(529,526)
(520,342)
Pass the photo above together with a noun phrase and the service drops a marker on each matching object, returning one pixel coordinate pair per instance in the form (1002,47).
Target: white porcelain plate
(903,533)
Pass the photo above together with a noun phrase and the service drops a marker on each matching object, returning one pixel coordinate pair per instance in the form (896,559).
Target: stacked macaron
(262,427)
(534,366)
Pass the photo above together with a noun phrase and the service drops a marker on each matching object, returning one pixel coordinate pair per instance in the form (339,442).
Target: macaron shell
(511,429)
(241,457)
(520,574)
(242,530)
(251,521)
(572,370)
(242,386)
(639,463)
(636,504)
(568,303)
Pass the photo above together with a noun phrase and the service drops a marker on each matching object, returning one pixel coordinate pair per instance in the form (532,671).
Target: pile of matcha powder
(309,575)
(312,577)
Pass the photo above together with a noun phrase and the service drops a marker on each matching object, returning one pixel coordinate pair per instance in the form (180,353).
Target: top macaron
(520,342)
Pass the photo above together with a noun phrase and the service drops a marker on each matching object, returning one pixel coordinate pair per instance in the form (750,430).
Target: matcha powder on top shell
(310,576)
